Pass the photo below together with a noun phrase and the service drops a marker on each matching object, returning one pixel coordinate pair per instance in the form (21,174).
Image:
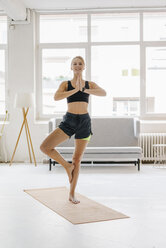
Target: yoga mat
(86,211)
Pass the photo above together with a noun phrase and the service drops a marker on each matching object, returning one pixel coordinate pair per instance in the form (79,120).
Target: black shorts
(77,124)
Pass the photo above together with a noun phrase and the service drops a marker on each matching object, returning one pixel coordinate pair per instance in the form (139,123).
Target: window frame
(144,115)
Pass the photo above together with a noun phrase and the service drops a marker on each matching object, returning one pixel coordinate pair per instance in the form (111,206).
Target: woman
(75,121)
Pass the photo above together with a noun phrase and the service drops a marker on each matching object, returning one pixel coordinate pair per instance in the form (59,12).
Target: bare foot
(73,199)
(69,169)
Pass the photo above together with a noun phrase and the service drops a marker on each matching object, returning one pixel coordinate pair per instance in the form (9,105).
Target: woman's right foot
(73,199)
(69,169)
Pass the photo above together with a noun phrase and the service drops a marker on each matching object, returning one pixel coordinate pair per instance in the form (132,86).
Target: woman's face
(77,66)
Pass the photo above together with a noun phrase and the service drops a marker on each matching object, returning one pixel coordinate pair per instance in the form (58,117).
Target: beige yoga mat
(85,212)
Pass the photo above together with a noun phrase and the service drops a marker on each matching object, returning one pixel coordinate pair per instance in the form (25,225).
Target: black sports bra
(78,96)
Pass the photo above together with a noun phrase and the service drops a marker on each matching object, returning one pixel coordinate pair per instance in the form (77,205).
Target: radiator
(146,142)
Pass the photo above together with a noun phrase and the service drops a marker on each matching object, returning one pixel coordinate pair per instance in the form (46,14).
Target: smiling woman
(76,121)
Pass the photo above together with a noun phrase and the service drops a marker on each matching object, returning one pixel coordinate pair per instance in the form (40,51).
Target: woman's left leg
(80,146)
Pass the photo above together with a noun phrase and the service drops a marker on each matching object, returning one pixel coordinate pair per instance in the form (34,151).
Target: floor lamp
(25,101)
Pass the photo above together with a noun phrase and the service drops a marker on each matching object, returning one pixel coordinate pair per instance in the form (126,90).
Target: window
(123,54)
(115,27)
(63,28)
(117,70)
(56,50)
(157,20)
(3,42)
(155,79)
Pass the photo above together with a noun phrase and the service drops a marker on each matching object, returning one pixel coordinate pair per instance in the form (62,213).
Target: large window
(123,54)
(3,41)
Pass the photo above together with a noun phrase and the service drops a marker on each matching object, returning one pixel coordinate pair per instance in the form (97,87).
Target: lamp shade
(24,100)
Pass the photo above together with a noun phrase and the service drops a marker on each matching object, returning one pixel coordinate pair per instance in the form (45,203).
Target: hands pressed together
(79,83)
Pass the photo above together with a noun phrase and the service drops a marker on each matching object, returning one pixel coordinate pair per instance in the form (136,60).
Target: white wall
(21,77)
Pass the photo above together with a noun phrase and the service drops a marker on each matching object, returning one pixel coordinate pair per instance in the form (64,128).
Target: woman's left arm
(94,89)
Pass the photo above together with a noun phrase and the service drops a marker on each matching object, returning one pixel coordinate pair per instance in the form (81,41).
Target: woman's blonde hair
(78,57)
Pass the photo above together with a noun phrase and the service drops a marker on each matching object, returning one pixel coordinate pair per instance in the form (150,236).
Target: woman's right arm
(62,93)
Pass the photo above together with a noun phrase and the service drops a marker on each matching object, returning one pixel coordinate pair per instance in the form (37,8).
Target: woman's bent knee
(44,149)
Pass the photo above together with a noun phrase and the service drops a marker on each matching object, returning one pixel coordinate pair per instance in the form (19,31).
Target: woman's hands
(79,83)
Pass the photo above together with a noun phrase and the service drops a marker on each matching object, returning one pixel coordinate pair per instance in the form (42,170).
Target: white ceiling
(79,4)
(58,4)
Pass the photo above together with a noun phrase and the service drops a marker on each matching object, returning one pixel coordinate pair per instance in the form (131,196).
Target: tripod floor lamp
(25,101)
